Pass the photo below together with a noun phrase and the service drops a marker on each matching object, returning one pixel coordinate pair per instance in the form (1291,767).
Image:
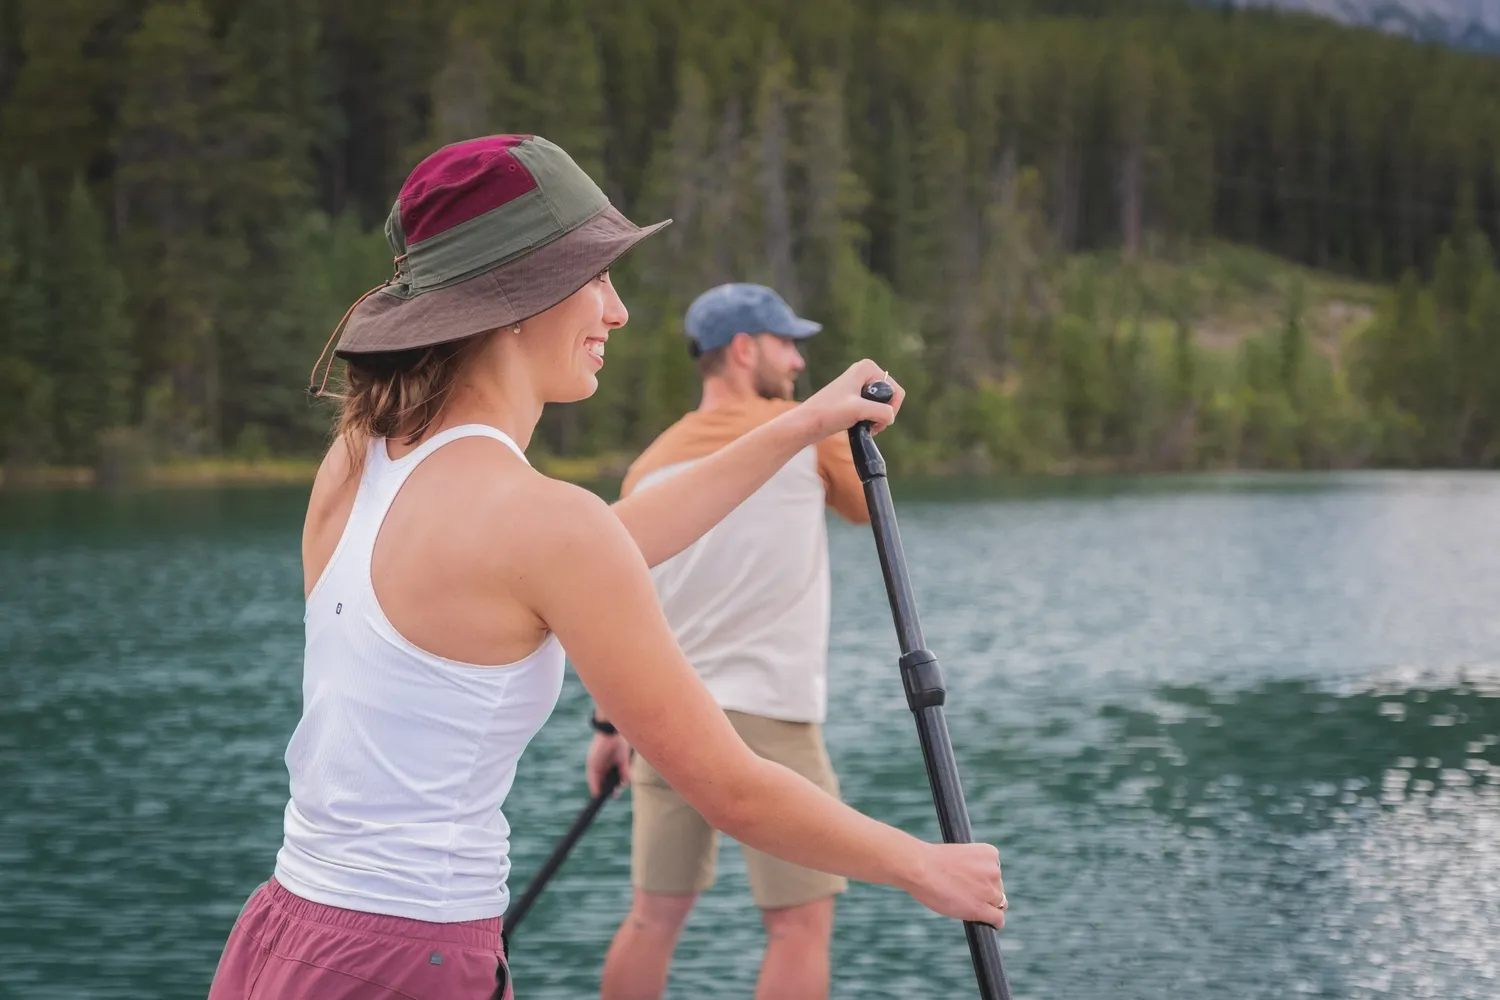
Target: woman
(445,577)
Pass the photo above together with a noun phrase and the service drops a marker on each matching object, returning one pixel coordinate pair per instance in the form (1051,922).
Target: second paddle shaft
(516,913)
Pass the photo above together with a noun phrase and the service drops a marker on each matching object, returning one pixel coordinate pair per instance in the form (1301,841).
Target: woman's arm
(672,515)
(590,584)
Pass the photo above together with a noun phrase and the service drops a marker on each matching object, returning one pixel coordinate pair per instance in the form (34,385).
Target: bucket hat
(486,233)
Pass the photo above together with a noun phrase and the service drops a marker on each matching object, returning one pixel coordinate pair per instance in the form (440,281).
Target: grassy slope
(1234,292)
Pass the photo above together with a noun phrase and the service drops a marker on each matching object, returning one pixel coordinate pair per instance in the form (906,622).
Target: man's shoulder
(661,451)
(699,433)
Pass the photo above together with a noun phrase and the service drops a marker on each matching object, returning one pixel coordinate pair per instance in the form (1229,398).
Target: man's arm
(845,493)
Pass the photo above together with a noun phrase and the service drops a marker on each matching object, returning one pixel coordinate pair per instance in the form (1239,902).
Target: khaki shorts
(673,849)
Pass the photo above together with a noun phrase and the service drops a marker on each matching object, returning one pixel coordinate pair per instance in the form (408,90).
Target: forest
(1086,235)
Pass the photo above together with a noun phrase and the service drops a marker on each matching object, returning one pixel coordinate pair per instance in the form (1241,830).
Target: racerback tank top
(402,759)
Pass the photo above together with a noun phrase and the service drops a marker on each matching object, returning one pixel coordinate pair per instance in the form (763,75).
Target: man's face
(778,362)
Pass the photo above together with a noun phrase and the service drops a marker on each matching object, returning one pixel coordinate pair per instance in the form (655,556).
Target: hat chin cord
(314,387)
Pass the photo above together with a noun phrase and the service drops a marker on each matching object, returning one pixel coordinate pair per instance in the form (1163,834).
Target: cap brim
(502,296)
(803,328)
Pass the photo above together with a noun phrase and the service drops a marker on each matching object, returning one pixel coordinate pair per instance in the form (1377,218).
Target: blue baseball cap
(723,311)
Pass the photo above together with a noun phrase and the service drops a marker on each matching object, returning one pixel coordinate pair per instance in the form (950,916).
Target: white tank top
(402,759)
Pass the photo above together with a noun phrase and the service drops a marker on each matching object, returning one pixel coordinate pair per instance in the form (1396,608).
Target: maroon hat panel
(462,182)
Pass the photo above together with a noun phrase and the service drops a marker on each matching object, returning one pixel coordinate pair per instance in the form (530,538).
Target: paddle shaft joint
(868,461)
(923,679)
(867,458)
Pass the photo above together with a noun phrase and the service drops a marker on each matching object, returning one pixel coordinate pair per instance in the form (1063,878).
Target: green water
(1235,738)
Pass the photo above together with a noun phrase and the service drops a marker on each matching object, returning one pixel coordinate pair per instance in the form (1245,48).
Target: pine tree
(15,375)
(27,323)
(92,336)
(379,57)
(771,146)
(1294,342)
(465,89)
(832,235)
(566,107)
(278,111)
(636,52)
(10,265)
(50,122)
(1133,91)
(31,307)
(269,117)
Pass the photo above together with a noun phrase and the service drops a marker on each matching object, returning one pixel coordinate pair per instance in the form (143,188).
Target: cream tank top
(402,759)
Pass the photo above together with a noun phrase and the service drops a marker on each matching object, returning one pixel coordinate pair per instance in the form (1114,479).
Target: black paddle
(923,680)
(559,854)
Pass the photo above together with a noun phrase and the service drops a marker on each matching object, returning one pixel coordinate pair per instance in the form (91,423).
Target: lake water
(1235,737)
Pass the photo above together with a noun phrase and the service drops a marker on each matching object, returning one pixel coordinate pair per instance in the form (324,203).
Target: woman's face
(565,344)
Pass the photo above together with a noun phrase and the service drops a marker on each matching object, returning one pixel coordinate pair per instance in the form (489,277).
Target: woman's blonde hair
(398,394)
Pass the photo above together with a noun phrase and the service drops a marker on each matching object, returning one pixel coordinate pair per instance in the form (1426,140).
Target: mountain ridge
(1473,25)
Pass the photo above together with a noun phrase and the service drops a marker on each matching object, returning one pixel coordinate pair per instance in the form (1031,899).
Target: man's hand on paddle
(607,752)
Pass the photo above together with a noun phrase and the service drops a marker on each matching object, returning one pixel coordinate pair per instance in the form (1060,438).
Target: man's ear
(742,350)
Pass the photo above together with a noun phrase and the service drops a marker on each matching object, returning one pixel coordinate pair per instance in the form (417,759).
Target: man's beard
(769,385)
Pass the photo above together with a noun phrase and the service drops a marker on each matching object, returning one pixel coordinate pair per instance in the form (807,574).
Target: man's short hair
(709,362)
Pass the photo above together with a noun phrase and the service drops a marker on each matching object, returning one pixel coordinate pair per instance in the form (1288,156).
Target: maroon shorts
(284,947)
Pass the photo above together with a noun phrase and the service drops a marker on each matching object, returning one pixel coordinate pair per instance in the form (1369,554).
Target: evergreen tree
(1294,344)
(92,347)
(770,146)
(50,122)
(176,181)
(30,312)
(466,87)
(26,322)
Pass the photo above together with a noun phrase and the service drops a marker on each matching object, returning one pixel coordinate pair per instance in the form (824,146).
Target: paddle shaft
(559,853)
(922,678)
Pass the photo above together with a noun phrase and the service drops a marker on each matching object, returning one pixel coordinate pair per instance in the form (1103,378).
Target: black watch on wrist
(602,726)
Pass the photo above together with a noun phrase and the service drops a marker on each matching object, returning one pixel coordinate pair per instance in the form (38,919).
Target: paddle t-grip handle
(879,391)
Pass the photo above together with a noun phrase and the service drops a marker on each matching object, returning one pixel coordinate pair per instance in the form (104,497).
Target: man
(749,605)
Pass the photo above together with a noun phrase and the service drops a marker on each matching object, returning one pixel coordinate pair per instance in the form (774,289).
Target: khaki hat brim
(508,294)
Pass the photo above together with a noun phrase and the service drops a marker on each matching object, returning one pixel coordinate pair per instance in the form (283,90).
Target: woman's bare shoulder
(546,511)
(493,504)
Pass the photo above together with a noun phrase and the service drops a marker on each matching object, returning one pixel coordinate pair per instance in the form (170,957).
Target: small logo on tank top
(338,608)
